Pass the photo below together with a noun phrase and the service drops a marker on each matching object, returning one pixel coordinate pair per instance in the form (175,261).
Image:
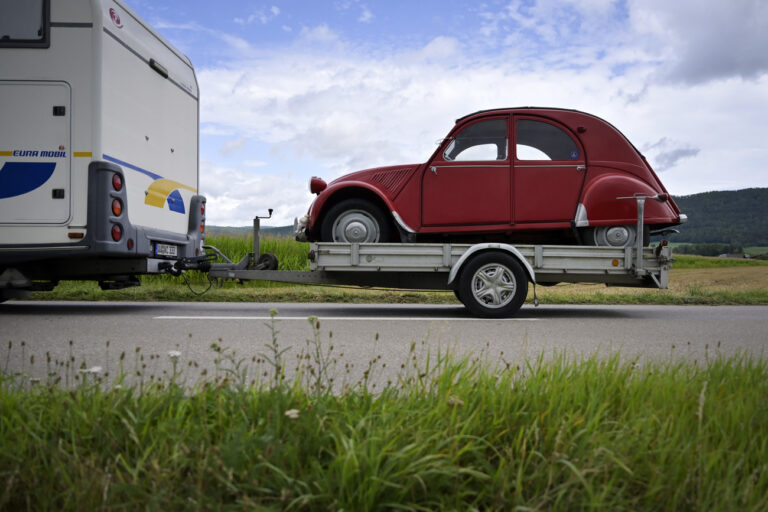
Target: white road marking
(345,318)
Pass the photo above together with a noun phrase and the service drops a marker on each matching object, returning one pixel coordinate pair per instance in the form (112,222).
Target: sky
(294,89)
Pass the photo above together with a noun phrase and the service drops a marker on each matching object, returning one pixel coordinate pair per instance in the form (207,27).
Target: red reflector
(75,235)
(130,243)
(117,232)
(202,209)
(117,207)
(117,182)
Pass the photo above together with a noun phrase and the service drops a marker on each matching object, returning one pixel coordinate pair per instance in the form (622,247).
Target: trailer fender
(486,247)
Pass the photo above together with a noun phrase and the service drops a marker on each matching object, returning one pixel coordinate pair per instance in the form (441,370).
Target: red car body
(522,174)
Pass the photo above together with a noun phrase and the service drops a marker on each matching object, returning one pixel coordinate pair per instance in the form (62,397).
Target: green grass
(689,261)
(561,434)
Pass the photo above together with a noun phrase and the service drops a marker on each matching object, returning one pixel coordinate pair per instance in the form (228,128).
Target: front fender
(599,205)
(340,191)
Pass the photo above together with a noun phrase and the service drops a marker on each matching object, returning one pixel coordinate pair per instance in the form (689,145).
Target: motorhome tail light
(317,185)
(117,232)
(202,227)
(117,207)
(202,208)
(130,243)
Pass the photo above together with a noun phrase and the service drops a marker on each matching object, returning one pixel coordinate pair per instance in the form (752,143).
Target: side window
(537,140)
(486,140)
(24,24)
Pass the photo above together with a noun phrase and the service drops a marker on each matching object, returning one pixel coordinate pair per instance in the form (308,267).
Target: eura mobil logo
(18,178)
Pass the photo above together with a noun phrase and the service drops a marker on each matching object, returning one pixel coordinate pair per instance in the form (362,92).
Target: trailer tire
(355,221)
(493,285)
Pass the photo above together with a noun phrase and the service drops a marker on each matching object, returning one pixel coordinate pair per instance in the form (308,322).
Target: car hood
(388,179)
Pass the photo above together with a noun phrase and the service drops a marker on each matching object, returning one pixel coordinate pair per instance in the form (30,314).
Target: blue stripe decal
(131,166)
(17,178)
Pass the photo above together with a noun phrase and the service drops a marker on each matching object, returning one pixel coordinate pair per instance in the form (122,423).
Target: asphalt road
(96,334)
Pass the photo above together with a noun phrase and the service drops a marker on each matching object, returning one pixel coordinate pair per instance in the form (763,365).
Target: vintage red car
(532,175)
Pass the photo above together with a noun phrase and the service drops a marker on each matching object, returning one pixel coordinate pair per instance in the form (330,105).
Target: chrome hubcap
(355,227)
(615,236)
(494,285)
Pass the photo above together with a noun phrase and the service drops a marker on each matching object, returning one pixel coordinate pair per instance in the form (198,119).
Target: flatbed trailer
(490,279)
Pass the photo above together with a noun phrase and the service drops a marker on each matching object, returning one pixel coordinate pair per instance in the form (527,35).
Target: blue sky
(291,89)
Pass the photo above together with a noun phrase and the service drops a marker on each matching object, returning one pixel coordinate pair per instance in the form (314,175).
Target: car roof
(528,109)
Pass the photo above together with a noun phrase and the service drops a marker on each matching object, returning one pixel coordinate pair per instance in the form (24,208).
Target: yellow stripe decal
(80,154)
(6,153)
(158,191)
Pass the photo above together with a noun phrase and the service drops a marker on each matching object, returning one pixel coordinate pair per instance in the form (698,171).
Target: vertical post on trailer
(640,235)
(256,238)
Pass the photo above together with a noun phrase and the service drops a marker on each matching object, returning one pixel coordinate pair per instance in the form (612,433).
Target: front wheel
(493,285)
(355,221)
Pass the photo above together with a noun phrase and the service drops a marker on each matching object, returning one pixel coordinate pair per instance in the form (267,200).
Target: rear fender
(599,205)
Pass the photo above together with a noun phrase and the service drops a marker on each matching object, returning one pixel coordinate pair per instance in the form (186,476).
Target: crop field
(693,280)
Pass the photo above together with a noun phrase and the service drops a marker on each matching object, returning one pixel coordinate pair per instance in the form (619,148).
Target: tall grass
(450,434)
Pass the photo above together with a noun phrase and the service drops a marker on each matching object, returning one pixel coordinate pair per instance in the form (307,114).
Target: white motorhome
(98,146)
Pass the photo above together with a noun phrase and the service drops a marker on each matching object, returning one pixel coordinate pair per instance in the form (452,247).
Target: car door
(549,169)
(469,183)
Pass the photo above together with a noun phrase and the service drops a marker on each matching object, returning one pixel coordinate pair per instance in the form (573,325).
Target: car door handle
(581,167)
(433,169)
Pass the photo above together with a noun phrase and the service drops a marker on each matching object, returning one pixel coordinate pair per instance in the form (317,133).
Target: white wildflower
(292,413)
(93,370)
(455,401)
(174,354)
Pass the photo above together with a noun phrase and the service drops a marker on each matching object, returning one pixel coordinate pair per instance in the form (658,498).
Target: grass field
(693,280)
(598,434)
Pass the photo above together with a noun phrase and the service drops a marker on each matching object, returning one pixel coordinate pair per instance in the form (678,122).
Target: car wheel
(612,236)
(493,285)
(355,221)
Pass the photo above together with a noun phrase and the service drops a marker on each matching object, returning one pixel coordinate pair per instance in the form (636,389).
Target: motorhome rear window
(24,23)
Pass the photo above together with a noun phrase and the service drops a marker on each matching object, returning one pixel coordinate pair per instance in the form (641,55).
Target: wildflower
(93,370)
(174,354)
(292,413)
(455,401)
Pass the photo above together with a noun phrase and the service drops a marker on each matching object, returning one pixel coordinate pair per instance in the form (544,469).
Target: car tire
(493,285)
(355,221)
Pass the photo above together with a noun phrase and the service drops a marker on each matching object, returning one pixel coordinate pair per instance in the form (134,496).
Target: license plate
(166,250)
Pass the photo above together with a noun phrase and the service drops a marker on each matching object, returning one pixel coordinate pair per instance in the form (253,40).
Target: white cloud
(235,196)
(705,41)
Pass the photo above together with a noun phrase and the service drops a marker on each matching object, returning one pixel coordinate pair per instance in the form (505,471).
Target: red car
(534,175)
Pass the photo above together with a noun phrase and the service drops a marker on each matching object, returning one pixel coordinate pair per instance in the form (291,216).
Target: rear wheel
(615,236)
(355,221)
(493,285)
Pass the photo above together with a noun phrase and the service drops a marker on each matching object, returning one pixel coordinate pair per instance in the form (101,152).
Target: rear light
(117,232)
(202,227)
(130,243)
(117,182)
(117,207)
(202,208)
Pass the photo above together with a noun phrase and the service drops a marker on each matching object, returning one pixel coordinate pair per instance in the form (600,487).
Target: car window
(537,140)
(486,140)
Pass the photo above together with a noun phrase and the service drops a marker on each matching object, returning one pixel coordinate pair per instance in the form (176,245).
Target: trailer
(490,279)
(98,147)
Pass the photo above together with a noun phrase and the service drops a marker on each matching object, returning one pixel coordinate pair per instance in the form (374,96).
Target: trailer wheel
(267,261)
(355,221)
(493,285)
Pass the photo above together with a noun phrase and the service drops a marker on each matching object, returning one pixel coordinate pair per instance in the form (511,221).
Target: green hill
(735,217)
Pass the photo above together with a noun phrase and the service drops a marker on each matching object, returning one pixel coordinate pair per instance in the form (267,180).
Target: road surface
(61,337)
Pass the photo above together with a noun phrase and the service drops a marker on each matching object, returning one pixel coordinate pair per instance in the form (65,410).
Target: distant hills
(733,217)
